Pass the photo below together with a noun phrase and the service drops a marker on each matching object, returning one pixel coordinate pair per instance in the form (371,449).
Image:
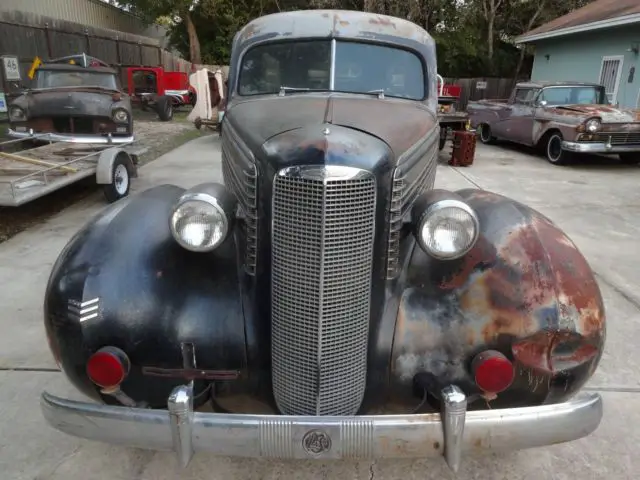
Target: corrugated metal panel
(93,13)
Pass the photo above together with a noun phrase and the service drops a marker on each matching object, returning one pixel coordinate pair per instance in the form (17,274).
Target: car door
(520,126)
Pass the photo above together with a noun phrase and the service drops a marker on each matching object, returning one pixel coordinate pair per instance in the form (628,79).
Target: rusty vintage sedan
(326,302)
(561,119)
(75,99)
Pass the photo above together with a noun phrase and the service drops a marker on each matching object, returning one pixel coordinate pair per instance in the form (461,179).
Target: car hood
(71,103)
(607,113)
(399,123)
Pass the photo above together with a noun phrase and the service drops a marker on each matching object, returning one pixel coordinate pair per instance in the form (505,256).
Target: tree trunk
(194,42)
(490,37)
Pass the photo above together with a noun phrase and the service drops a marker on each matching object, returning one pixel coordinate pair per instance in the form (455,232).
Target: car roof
(333,23)
(543,84)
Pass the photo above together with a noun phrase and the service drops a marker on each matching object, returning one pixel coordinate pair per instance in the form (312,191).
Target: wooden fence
(491,88)
(28,35)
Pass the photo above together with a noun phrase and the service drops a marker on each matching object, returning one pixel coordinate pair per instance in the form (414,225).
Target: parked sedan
(562,119)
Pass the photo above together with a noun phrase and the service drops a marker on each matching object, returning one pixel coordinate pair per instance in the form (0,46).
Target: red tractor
(153,87)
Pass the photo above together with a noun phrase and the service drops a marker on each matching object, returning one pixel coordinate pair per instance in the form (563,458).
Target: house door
(610,73)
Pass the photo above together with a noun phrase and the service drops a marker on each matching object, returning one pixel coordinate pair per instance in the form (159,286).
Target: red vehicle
(162,90)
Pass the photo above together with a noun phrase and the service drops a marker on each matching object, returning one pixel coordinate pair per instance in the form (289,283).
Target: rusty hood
(65,102)
(400,124)
(607,113)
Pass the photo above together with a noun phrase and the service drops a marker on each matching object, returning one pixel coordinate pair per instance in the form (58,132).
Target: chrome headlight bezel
(439,206)
(592,125)
(21,114)
(208,200)
(121,119)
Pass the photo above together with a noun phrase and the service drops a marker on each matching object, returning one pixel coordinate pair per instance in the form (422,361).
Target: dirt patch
(158,137)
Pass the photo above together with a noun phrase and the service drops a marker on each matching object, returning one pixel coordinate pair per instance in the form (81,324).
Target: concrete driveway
(597,204)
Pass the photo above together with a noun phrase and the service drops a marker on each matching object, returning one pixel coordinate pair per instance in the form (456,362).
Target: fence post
(159,49)
(47,37)
(86,37)
(118,59)
(140,53)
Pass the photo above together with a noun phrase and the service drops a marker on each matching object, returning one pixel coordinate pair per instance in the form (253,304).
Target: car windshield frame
(43,76)
(601,94)
(336,72)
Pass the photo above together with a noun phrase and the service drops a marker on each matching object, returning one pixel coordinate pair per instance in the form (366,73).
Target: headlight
(16,114)
(593,125)
(120,116)
(201,219)
(447,229)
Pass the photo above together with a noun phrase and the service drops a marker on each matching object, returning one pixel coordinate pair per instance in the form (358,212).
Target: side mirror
(542,103)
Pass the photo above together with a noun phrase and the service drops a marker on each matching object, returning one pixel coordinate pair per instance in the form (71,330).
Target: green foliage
(460,27)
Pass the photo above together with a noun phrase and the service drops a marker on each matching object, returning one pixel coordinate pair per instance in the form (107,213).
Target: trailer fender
(104,171)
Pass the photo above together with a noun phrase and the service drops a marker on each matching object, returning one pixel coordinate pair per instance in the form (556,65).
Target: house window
(610,74)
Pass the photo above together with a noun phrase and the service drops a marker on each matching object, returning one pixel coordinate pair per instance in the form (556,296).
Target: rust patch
(554,351)
(383,21)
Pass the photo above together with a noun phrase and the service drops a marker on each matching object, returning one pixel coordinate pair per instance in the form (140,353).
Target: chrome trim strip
(56,137)
(378,436)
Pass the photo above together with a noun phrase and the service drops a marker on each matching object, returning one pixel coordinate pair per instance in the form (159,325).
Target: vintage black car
(73,99)
(327,301)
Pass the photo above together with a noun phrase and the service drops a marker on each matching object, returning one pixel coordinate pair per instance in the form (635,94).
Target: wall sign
(481,85)
(11,69)
(3,103)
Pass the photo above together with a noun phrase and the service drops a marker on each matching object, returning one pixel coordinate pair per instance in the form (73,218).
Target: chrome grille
(617,138)
(322,257)
(240,176)
(403,193)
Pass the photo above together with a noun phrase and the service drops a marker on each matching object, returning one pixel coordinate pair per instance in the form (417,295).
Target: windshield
(62,78)
(573,95)
(306,65)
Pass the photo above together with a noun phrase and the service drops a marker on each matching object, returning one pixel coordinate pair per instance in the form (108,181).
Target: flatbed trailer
(449,120)
(30,173)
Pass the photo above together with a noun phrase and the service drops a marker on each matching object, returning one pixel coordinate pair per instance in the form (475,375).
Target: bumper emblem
(316,442)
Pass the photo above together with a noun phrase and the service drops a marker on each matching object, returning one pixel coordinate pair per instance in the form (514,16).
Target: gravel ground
(159,137)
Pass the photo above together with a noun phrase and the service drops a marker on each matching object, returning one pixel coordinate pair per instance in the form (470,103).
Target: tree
(181,11)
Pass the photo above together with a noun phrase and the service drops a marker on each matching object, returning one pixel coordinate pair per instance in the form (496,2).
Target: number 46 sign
(11,68)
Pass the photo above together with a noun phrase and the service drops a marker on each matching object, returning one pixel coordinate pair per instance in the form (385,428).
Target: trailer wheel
(164,107)
(193,98)
(485,134)
(120,181)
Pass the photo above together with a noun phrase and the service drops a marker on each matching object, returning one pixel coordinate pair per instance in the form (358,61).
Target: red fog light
(108,367)
(492,371)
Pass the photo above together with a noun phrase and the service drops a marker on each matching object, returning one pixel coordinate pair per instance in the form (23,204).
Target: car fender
(524,289)
(104,169)
(123,281)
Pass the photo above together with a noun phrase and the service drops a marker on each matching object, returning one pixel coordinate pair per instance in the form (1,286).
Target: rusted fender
(524,289)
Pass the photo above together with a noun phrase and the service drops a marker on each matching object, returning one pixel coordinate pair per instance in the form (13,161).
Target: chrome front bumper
(452,432)
(89,139)
(598,147)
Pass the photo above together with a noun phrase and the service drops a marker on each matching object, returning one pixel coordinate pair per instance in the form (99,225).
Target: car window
(62,78)
(584,95)
(358,68)
(524,95)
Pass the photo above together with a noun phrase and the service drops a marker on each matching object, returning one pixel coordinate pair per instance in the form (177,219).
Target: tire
(553,150)
(193,99)
(443,142)
(631,158)
(120,181)
(164,107)
(485,134)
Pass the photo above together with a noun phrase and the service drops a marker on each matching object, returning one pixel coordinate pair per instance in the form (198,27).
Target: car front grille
(240,176)
(322,258)
(616,138)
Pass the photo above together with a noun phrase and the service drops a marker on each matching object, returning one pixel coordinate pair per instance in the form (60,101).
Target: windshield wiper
(284,89)
(378,91)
